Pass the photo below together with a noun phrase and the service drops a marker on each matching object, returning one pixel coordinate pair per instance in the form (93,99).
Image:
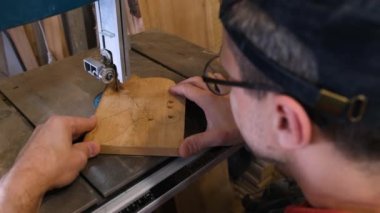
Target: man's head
(274,122)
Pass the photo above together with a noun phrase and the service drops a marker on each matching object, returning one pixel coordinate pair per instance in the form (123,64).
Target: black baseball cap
(344,37)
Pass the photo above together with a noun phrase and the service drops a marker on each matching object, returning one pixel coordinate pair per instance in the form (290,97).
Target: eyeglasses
(328,102)
(217,79)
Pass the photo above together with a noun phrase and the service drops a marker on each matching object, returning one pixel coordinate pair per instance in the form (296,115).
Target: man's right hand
(221,128)
(48,160)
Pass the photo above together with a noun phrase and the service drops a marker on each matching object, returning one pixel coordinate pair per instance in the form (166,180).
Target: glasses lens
(215,70)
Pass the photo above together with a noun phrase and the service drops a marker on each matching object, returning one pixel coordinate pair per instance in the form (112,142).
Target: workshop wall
(27,47)
(194,20)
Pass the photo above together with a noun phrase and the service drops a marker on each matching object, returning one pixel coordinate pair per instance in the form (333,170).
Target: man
(302,79)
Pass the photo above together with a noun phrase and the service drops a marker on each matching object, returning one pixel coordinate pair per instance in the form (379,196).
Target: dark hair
(359,142)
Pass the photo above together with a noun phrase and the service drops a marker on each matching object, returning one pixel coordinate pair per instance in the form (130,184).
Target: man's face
(252,116)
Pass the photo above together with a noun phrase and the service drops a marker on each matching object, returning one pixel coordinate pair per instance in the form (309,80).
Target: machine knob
(107,75)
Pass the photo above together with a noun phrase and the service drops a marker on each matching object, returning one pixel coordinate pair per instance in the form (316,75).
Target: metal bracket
(113,41)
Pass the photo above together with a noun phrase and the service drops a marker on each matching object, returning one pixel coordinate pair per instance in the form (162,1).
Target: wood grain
(193,20)
(34,34)
(182,57)
(55,36)
(3,61)
(74,24)
(24,49)
(142,118)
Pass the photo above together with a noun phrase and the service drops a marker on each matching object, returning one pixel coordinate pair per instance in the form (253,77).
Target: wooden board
(142,118)
(172,52)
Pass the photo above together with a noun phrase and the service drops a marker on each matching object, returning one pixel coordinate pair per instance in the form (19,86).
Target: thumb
(199,142)
(89,148)
(86,150)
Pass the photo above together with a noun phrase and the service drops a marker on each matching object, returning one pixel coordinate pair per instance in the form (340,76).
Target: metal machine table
(109,183)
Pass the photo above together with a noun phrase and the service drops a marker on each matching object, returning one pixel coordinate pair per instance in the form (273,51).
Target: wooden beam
(134,20)
(3,61)
(55,36)
(75,28)
(24,49)
(90,26)
(34,34)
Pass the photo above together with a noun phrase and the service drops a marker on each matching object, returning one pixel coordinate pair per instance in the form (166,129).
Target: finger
(190,92)
(199,142)
(89,148)
(80,125)
(196,81)
(180,89)
(81,152)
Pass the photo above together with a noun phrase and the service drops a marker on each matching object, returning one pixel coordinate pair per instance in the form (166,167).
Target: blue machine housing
(19,12)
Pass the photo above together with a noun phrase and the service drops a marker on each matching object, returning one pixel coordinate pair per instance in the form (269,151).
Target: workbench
(109,182)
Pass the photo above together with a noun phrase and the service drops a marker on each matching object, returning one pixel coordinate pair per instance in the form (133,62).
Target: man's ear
(292,124)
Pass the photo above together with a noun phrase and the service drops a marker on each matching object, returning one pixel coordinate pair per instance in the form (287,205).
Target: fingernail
(93,147)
